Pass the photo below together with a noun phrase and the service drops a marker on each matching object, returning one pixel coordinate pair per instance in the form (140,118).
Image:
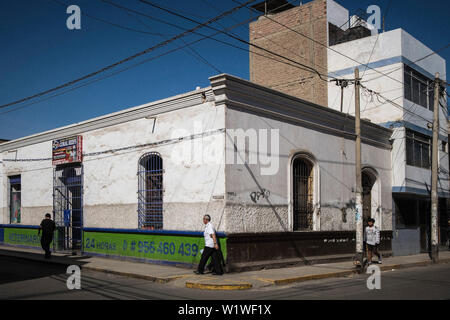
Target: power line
(324,45)
(153,58)
(109,22)
(299,65)
(414,62)
(123,70)
(234,37)
(134,56)
(267,38)
(400,107)
(188,50)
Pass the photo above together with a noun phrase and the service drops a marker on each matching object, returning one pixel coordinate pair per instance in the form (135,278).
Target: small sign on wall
(67,150)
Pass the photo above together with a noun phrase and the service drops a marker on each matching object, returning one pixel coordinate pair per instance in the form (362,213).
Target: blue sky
(40,53)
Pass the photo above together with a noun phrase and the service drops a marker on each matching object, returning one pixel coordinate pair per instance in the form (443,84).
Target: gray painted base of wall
(256,218)
(406,242)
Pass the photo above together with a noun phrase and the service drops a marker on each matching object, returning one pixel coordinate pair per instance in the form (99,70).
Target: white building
(397,73)
(148,174)
(402,70)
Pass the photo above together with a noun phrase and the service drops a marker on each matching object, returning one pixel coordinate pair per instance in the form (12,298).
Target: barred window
(15,187)
(303,179)
(150,192)
(417,150)
(418,88)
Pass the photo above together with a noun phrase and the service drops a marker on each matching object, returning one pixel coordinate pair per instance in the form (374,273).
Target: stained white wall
(334,176)
(110,179)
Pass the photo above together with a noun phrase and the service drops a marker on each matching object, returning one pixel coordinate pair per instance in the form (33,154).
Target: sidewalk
(182,277)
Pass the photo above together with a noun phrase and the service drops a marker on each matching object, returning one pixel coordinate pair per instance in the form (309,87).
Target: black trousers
(45,243)
(207,253)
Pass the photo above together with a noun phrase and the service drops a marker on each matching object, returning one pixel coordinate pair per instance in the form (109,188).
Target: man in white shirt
(211,247)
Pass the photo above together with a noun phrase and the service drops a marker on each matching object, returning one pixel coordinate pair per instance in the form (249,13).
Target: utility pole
(358,203)
(434,175)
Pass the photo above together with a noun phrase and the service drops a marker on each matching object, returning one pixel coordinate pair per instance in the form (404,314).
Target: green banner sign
(22,236)
(160,247)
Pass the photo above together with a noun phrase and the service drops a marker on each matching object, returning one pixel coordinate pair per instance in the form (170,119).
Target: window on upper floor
(418,88)
(418,150)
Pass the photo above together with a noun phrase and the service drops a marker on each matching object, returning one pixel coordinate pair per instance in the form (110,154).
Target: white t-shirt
(209,230)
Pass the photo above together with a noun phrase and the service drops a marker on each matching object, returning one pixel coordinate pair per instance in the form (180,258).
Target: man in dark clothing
(48,227)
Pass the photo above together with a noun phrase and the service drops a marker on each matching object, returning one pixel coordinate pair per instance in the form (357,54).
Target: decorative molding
(186,100)
(241,94)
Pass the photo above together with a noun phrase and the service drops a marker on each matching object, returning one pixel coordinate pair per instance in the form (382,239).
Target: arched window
(303,182)
(368,180)
(150,192)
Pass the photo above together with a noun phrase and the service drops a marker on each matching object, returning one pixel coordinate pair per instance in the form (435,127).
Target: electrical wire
(321,44)
(234,37)
(134,56)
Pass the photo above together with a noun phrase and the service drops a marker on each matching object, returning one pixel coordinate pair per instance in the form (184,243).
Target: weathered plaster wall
(334,180)
(193,170)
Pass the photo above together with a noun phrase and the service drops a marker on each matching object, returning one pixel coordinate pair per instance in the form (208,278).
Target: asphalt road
(25,279)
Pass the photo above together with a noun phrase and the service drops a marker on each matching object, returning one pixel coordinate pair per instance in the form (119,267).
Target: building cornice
(241,94)
(189,99)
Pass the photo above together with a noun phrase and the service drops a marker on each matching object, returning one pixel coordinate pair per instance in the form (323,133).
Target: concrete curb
(135,275)
(209,286)
(313,277)
(350,272)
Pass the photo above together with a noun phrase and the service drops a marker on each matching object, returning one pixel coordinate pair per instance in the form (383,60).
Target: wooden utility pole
(434,175)
(358,203)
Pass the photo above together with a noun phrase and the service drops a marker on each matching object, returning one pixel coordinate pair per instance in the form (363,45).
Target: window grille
(15,187)
(418,88)
(303,194)
(150,192)
(418,150)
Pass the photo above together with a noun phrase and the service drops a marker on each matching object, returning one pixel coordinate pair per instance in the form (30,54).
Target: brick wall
(309,19)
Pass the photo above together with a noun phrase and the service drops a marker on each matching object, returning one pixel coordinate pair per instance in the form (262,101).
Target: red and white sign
(67,150)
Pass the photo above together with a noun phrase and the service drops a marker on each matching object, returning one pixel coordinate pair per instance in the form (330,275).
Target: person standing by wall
(372,238)
(211,248)
(48,227)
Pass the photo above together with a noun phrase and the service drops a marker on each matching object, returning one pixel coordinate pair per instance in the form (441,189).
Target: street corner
(206,282)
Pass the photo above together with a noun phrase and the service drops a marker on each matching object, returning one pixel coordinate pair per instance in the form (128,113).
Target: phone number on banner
(166,248)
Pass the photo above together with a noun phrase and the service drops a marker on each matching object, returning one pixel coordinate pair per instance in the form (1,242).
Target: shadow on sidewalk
(21,266)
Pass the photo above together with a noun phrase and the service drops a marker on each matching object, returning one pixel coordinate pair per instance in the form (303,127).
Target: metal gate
(303,194)
(68,207)
(368,182)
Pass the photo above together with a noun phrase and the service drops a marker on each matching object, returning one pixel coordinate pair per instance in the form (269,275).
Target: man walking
(48,227)
(211,248)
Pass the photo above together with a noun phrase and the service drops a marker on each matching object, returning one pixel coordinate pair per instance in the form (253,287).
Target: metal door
(68,207)
(303,194)
(367,181)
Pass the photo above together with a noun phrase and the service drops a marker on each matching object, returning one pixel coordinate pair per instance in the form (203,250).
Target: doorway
(303,179)
(68,207)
